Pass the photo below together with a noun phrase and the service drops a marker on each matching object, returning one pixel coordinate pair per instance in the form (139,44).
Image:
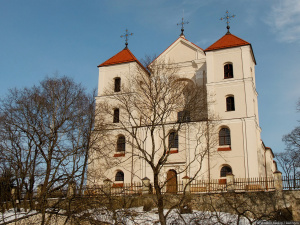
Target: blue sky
(71,37)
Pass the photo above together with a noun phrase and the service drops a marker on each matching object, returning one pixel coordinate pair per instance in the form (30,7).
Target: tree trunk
(160,200)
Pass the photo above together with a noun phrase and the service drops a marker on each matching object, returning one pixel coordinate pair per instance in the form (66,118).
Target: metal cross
(227,17)
(182,23)
(126,36)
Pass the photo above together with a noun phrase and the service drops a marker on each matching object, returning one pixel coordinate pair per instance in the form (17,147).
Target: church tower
(114,77)
(231,82)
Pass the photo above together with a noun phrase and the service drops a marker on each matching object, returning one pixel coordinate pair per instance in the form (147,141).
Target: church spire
(126,36)
(227,17)
(182,23)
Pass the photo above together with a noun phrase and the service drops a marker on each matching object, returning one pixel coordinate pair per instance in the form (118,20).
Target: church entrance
(171,182)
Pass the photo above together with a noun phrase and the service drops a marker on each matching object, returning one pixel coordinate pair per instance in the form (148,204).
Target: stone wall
(260,205)
(275,205)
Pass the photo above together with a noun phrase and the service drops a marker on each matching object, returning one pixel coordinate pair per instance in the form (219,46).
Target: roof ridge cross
(182,27)
(126,36)
(227,17)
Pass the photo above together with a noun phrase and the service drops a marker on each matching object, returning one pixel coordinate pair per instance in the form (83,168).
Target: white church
(226,71)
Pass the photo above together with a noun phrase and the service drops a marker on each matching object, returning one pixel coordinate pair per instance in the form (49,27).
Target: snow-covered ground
(12,214)
(135,216)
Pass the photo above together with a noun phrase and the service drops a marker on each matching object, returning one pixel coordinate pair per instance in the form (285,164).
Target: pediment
(181,51)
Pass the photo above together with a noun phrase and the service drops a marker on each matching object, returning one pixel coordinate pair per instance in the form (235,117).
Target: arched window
(119,176)
(224,136)
(230,103)
(117,84)
(173,140)
(116,116)
(121,144)
(228,71)
(225,170)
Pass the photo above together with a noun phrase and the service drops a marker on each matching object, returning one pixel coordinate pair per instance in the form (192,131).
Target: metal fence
(291,183)
(114,189)
(254,184)
(239,184)
(195,186)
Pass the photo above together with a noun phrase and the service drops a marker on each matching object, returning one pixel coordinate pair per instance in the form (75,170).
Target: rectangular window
(228,71)
(116,116)
(230,103)
(117,84)
(121,144)
(183,116)
(173,140)
(224,137)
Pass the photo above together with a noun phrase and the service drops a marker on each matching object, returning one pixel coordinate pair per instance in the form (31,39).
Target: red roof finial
(227,17)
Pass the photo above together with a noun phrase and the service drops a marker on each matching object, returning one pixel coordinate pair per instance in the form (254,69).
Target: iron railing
(291,183)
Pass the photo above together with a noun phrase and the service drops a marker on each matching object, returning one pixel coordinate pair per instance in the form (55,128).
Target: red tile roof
(227,41)
(123,56)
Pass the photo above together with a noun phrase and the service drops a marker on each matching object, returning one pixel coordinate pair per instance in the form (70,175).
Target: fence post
(39,190)
(186,185)
(15,199)
(14,195)
(278,180)
(13,192)
(71,189)
(146,185)
(107,186)
(230,182)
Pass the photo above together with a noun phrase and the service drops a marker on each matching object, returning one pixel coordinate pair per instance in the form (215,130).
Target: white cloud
(284,19)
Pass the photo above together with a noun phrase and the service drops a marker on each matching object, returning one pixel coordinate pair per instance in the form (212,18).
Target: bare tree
(45,136)
(155,107)
(289,160)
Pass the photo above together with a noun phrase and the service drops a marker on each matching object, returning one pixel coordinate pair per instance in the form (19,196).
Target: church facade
(226,72)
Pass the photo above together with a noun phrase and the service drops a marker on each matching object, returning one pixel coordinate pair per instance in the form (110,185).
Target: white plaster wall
(245,156)
(108,73)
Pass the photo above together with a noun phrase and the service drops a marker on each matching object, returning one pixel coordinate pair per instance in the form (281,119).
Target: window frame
(121,144)
(116,116)
(184,116)
(119,176)
(228,70)
(224,136)
(230,104)
(225,170)
(117,85)
(173,140)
